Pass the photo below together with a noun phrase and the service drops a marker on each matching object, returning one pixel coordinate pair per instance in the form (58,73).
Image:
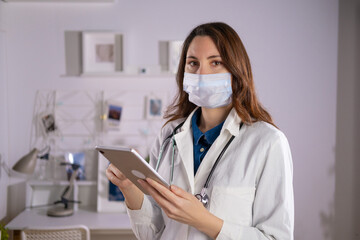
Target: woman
(219,144)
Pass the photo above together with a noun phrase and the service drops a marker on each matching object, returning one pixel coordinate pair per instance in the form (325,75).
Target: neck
(211,117)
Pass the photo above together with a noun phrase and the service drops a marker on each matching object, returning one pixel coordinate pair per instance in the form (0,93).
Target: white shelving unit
(41,192)
(80,128)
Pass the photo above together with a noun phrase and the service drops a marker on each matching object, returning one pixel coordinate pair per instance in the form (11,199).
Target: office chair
(76,232)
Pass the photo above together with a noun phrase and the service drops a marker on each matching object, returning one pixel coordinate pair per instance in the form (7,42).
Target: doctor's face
(203,57)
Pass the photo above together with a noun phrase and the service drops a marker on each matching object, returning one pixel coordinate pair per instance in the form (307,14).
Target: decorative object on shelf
(112,115)
(153,69)
(102,52)
(169,55)
(4,232)
(78,159)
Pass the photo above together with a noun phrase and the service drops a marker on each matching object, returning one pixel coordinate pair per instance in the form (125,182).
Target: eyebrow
(212,56)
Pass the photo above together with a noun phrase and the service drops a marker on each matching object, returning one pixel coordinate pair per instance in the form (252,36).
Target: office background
(305,57)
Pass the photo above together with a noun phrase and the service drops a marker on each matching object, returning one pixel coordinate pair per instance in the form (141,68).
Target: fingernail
(173,187)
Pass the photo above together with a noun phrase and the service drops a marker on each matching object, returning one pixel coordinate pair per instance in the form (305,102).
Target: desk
(101,225)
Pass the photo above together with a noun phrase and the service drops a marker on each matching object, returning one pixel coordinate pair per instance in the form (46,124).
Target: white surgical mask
(208,90)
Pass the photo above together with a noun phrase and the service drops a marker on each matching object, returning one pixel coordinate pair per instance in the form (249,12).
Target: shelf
(60,183)
(120,74)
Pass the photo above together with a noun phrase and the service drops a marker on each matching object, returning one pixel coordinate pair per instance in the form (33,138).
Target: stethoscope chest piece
(203,197)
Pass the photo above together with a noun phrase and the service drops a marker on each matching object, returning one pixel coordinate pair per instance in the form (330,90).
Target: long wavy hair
(236,61)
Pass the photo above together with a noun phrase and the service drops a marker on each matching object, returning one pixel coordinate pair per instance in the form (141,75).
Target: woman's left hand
(183,207)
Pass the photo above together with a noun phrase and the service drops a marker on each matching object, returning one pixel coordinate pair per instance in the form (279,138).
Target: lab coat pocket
(233,204)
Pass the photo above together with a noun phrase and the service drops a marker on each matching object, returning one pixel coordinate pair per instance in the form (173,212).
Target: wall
(292,46)
(347,224)
(4,117)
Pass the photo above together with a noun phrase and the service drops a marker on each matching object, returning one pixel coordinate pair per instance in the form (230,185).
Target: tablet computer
(131,164)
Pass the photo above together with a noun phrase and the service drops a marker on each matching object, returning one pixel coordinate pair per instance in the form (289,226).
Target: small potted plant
(4,235)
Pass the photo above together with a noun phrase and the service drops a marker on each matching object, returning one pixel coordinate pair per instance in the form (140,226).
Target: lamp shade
(27,163)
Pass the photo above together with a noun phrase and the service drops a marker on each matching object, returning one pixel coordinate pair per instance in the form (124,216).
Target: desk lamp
(27,163)
(66,210)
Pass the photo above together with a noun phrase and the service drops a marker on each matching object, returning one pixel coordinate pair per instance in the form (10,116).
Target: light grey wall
(347,225)
(3,116)
(292,46)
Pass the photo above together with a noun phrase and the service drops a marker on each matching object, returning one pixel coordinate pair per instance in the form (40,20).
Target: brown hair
(236,61)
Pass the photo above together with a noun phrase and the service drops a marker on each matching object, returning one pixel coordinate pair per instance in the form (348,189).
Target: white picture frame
(102,52)
(112,115)
(103,202)
(154,106)
(169,55)
(175,48)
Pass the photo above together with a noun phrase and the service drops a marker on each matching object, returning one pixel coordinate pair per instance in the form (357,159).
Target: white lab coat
(251,188)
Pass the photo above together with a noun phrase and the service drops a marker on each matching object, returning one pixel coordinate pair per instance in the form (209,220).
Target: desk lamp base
(60,212)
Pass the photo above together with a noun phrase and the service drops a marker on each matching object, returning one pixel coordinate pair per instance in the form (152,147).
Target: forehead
(202,46)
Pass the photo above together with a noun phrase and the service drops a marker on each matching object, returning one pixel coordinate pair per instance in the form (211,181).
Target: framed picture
(102,52)
(154,106)
(112,115)
(110,198)
(47,123)
(170,55)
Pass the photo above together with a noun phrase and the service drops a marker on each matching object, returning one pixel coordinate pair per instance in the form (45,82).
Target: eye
(192,63)
(216,63)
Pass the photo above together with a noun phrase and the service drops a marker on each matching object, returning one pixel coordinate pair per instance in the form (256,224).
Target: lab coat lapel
(184,144)
(230,127)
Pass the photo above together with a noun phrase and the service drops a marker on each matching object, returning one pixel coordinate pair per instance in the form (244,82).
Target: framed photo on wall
(155,105)
(112,115)
(102,52)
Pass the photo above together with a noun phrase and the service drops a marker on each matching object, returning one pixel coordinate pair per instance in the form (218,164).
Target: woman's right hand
(118,178)
(133,195)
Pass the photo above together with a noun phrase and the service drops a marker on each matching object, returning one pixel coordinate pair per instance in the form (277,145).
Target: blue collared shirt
(202,141)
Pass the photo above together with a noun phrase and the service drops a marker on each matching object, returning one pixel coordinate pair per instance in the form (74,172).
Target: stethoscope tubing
(202,196)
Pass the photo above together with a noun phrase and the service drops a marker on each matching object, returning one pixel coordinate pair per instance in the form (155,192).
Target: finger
(158,197)
(180,192)
(116,172)
(113,178)
(164,191)
(152,191)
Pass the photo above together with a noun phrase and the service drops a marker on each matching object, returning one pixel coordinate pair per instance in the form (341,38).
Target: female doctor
(229,166)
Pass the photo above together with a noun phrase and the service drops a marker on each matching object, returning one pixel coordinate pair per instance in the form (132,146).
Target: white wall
(292,46)
(347,224)
(3,117)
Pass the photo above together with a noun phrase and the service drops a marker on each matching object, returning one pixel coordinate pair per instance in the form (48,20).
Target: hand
(133,195)
(183,207)
(118,178)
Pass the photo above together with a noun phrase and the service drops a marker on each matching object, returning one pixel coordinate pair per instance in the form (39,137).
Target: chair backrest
(77,232)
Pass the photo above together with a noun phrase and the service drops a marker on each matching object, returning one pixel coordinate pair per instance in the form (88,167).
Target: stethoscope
(202,196)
